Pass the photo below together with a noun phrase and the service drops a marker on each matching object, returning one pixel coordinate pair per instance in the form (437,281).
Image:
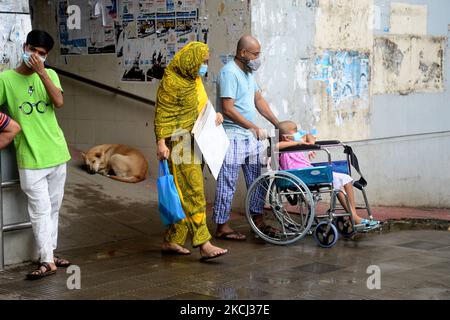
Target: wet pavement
(112,231)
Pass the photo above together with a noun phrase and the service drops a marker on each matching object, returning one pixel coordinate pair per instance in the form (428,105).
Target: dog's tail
(127,179)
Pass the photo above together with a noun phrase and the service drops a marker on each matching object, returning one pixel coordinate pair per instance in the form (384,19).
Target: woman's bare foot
(170,247)
(209,251)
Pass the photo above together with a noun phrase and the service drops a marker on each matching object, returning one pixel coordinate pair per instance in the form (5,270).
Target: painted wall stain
(391,55)
(221,9)
(408,63)
(344,24)
(430,73)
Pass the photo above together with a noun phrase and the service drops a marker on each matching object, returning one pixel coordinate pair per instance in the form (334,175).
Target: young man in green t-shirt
(31,93)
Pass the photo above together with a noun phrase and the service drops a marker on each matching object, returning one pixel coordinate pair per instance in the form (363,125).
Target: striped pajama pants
(245,153)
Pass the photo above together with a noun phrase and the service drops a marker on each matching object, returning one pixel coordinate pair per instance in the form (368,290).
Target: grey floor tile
(318,268)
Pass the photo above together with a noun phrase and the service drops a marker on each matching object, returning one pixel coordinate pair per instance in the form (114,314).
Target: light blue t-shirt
(241,87)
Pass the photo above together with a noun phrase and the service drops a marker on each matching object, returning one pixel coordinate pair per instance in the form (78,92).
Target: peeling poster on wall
(96,35)
(150,32)
(346,74)
(404,64)
(13,32)
(14,6)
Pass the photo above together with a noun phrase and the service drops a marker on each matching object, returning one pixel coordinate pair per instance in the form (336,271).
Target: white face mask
(254,64)
(26,58)
(27,55)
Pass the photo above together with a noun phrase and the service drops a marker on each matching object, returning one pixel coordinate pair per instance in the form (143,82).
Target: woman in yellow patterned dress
(180,98)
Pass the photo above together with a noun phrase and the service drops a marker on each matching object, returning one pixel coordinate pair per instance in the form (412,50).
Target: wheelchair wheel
(345,227)
(325,234)
(281,221)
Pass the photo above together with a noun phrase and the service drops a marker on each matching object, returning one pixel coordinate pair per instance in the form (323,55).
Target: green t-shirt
(41,143)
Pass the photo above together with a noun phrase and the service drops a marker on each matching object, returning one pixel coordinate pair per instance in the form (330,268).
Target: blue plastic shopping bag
(169,204)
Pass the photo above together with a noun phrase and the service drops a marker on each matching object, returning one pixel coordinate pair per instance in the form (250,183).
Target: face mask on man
(26,58)
(203,70)
(254,64)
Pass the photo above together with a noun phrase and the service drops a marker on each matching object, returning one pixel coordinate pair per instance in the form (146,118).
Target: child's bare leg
(351,199)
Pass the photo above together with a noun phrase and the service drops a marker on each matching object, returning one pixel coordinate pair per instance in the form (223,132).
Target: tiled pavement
(114,235)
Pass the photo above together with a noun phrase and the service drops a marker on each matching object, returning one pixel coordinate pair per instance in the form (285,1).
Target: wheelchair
(289,198)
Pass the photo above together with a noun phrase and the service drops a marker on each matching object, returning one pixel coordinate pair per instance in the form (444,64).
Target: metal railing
(102,86)
(8,227)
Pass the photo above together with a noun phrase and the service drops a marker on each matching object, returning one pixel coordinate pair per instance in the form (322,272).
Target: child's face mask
(297,137)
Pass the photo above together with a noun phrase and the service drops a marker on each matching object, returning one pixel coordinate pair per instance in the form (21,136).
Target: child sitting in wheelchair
(290,137)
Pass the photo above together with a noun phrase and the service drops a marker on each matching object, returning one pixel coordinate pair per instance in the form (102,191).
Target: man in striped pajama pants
(239,100)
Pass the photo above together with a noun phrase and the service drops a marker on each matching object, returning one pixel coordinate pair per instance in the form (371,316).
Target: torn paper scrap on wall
(346,74)
(342,93)
(149,36)
(96,36)
(13,32)
(405,64)
(348,123)
(408,19)
(344,24)
(14,6)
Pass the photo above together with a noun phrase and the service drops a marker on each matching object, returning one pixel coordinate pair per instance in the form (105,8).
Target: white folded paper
(211,139)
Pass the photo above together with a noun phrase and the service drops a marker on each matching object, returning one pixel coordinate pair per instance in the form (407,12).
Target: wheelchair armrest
(327,142)
(305,147)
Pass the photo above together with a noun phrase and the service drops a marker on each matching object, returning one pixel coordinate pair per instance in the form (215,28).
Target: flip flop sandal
(61,263)
(229,236)
(39,274)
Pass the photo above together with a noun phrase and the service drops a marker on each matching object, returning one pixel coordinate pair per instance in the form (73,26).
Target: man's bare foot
(225,232)
(209,251)
(170,247)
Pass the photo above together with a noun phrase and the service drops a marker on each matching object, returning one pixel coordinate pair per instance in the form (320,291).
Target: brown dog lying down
(116,161)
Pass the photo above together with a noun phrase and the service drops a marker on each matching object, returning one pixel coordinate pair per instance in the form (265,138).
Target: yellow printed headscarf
(177,99)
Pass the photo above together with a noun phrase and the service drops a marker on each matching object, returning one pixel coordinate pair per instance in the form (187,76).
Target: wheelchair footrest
(366,228)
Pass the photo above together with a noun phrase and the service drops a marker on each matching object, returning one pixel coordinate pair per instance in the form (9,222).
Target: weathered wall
(325,64)
(393,58)
(92,116)
(15,23)
(286,32)
(409,171)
